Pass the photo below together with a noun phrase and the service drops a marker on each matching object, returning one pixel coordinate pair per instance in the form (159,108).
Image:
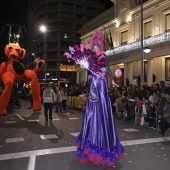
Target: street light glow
(43,28)
(147,50)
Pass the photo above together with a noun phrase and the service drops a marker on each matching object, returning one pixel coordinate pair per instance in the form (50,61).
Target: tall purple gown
(98,140)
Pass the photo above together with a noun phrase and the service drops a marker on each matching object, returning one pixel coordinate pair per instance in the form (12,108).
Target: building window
(124,37)
(167,69)
(148,29)
(167,22)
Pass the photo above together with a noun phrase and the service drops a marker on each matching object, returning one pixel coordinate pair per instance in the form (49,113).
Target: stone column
(83,76)
(150,72)
(77,77)
(126,72)
(130,72)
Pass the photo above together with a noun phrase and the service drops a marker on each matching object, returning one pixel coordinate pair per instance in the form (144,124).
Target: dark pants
(64,104)
(164,125)
(59,106)
(31,101)
(48,108)
(152,122)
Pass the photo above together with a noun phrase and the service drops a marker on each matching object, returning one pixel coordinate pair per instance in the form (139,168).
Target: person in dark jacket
(112,98)
(165,99)
(142,93)
(127,82)
(162,86)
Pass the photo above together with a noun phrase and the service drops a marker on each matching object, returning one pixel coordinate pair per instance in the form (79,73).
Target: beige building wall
(136,68)
(127,18)
(158,68)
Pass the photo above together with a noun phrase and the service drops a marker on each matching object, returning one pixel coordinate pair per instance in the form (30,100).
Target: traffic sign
(118,73)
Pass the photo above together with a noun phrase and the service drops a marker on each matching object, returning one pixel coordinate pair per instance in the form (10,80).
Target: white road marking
(11,140)
(31,165)
(55,119)
(74,134)
(34,120)
(73,148)
(52,136)
(144,141)
(10,122)
(73,118)
(20,117)
(37,152)
(130,130)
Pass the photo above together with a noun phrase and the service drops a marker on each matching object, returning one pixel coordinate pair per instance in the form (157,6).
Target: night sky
(15,12)
(11,12)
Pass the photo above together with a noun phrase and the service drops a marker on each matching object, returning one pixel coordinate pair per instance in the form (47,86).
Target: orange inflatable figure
(13,71)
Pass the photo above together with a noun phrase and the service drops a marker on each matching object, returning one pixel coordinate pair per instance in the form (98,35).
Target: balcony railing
(136,45)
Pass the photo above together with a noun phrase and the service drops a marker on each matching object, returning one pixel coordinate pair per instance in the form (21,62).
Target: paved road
(28,142)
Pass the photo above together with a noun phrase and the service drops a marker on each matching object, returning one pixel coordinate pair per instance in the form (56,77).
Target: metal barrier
(76,102)
(69,101)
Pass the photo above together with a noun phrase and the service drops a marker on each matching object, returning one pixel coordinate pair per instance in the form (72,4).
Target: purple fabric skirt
(98,140)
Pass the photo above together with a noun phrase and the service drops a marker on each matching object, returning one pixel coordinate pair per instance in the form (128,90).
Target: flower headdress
(91,59)
(84,56)
(97,40)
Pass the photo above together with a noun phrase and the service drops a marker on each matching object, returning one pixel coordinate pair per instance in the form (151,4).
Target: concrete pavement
(28,142)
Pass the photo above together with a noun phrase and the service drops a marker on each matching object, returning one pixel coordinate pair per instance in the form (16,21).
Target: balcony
(168,30)
(124,43)
(157,39)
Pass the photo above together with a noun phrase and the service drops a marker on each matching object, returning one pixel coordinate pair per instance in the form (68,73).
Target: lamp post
(43,29)
(146,49)
(142,55)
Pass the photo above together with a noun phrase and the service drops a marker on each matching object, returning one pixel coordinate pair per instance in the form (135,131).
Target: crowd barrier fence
(76,102)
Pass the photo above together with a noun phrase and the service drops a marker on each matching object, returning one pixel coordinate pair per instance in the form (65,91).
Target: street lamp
(43,29)
(147,50)
(142,56)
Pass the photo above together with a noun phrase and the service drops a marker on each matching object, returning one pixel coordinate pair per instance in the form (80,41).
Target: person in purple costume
(98,141)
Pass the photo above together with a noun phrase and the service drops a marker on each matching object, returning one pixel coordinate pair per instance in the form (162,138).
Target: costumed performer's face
(96,48)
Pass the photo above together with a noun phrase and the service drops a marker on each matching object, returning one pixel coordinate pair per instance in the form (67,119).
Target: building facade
(127,29)
(62,19)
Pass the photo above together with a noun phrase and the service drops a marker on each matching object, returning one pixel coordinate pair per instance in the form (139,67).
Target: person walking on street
(59,95)
(48,97)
